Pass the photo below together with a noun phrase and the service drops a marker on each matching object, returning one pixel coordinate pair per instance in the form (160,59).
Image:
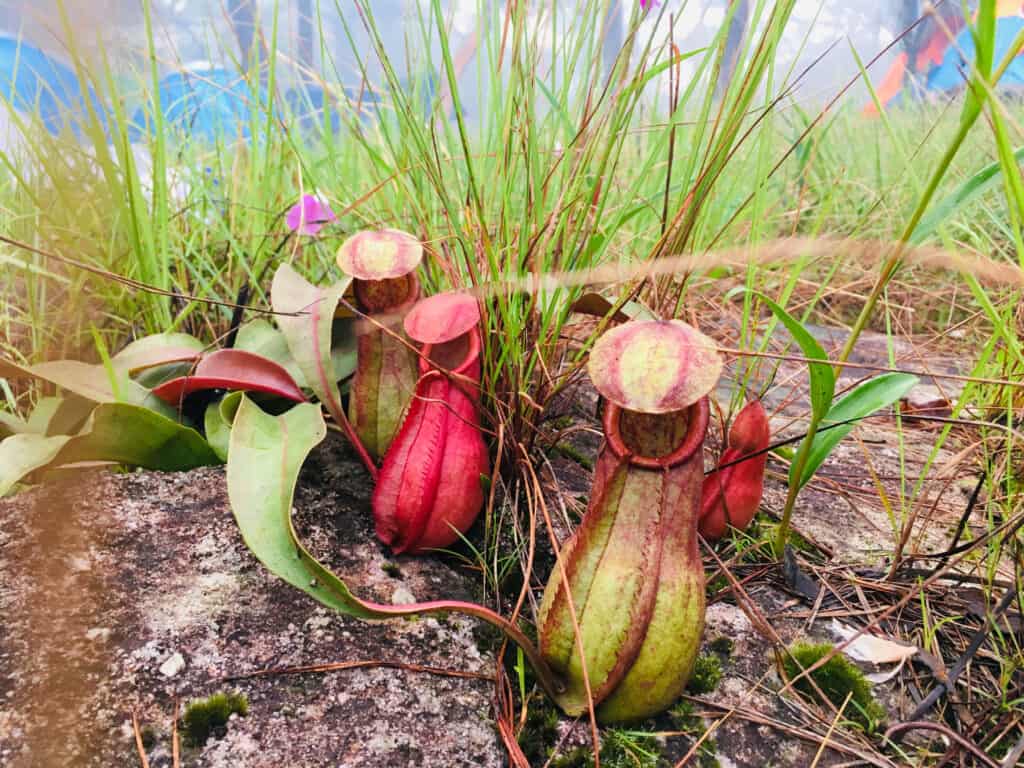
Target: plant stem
(795,484)
(338,414)
(550,682)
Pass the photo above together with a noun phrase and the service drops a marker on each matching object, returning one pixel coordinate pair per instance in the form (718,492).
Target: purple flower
(649,4)
(310,215)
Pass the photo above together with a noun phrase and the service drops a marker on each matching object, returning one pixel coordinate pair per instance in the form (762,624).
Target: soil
(124,593)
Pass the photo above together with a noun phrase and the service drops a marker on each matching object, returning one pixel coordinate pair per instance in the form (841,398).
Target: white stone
(174,664)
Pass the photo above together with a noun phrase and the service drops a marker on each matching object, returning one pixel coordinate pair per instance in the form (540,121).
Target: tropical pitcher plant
(632,570)
(630,578)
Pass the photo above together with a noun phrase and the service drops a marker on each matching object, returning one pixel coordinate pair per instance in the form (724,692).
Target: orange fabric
(932,53)
(890,85)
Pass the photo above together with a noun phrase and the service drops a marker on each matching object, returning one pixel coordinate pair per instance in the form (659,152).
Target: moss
(392,570)
(716,585)
(562,422)
(723,646)
(580,757)
(574,454)
(206,717)
(540,733)
(837,678)
(148,737)
(685,720)
(706,675)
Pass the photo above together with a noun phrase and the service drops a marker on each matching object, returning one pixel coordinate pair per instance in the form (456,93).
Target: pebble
(174,664)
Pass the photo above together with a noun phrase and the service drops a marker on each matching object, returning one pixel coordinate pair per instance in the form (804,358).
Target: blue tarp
(35,83)
(959,58)
(209,104)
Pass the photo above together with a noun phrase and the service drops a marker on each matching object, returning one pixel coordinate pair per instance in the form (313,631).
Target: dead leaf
(874,650)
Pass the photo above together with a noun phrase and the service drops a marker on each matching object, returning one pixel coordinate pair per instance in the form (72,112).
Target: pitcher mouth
(433,357)
(387,295)
(698,416)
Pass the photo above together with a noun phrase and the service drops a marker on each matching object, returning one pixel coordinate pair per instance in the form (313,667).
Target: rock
(174,664)
(170,580)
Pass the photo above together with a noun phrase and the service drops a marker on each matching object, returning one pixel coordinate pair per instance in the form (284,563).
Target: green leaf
(823,378)
(217,422)
(261,338)
(130,434)
(265,455)
(92,382)
(871,396)
(306,320)
(158,349)
(344,347)
(126,434)
(22,454)
(65,416)
(981,182)
(151,378)
(10,424)
(39,420)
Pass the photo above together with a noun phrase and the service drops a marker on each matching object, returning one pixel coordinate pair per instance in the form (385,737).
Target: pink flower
(310,215)
(649,4)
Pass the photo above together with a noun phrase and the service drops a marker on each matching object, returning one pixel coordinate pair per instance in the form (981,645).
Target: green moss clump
(204,717)
(716,585)
(706,675)
(837,678)
(685,720)
(392,570)
(579,757)
(723,646)
(562,422)
(540,733)
(574,454)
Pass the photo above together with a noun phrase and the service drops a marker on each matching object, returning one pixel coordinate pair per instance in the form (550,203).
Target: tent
(933,64)
(207,103)
(37,84)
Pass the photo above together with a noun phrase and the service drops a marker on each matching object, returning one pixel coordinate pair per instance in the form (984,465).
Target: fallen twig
(138,740)
(977,639)
(945,730)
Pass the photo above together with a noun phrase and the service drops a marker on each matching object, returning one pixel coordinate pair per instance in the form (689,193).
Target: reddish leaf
(232,369)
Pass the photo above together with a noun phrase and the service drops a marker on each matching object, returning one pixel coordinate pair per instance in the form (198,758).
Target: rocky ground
(124,593)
